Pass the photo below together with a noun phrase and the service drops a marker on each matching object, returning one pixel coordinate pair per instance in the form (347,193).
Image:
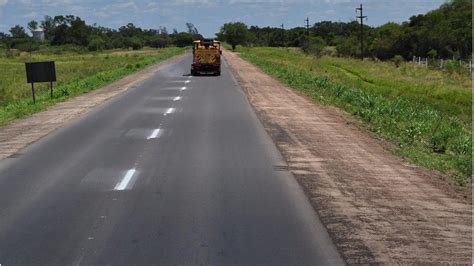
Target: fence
(442,63)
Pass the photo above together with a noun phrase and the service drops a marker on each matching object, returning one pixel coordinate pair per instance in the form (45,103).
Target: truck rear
(206,57)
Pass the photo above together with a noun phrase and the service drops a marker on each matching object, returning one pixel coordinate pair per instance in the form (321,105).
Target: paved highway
(176,171)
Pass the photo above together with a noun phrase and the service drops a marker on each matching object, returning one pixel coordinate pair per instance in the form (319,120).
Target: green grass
(77,73)
(426,113)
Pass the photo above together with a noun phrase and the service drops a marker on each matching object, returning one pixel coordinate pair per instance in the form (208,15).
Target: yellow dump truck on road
(206,57)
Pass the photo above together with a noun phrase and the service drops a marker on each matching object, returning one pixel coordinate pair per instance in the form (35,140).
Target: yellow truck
(206,57)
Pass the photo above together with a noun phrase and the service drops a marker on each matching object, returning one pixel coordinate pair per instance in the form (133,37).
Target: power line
(361,17)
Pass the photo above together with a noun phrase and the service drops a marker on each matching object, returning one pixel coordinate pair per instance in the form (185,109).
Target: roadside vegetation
(444,33)
(78,72)
(87,57)
(426,113)
(71,31)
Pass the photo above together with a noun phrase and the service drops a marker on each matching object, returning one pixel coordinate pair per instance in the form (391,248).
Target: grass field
(77,73)
(426,113)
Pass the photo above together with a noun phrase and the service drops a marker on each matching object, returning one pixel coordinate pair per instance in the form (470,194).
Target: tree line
(445,32)
(72,30)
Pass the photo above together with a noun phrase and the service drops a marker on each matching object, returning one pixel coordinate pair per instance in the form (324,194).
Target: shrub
(136,43)
(397,60)
(312,45)
(96,44)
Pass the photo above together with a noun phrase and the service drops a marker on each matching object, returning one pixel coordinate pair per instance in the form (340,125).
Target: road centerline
(154,134)
(122,185)
(169,111)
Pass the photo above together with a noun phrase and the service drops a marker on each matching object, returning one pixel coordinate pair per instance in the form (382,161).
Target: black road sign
(40,72)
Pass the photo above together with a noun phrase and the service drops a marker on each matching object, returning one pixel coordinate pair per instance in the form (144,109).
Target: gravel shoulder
(376,207)
(22,132)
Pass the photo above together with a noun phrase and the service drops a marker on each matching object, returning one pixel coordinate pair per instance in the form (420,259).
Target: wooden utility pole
(307,26)
(282,35)
(361,17)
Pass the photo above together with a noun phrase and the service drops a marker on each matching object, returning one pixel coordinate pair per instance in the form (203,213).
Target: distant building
(38,34)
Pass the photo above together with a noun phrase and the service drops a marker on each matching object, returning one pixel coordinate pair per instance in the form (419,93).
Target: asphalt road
(176,171)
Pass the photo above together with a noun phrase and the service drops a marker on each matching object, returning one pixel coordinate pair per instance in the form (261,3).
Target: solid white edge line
(126,179)
(154,134)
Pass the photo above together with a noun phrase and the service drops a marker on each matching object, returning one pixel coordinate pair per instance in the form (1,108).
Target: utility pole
(307,26)
(361,17)
(282,35)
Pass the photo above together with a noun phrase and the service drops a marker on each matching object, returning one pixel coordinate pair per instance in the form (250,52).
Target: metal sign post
(33,92)
(40,72)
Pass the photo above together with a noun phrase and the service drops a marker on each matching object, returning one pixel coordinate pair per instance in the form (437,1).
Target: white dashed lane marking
(154,134)
(169,111)
(122,185)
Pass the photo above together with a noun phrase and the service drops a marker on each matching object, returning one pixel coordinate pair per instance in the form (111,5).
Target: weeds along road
(176,171)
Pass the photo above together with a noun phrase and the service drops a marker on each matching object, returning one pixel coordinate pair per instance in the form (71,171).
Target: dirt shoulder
(377,208)
(22,132)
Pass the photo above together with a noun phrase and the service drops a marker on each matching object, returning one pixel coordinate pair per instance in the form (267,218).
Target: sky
(209,15)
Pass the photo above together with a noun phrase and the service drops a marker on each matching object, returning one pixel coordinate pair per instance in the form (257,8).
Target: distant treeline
(442,33)
(72,30)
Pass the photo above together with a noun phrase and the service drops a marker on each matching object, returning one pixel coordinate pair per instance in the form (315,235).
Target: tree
(3,36)
(312,45)
(69,30)
(18,32)
(347,46)
(48,27)
(96,44)
(130,30)
(234,33)
(183,39)
(32,25)
(387,41)
(191,29)
(135,42)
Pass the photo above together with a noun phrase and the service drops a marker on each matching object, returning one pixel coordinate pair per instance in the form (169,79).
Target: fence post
(441,64)
(470,66)
(426,62)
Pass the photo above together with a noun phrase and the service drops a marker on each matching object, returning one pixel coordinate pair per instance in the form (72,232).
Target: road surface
(176,171)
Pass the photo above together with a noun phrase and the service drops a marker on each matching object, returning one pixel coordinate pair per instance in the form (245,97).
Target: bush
(96,44)
(432,53)
(136,43)
(312,45)
(183,39)
(347,46)
(397,60)
(453,66)
(159,42)
(329,51)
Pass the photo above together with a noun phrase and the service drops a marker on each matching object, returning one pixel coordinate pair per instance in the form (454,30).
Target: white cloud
(30,15)
(117,9)
(3,2)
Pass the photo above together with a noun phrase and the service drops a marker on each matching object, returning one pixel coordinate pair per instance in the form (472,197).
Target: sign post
(40,72)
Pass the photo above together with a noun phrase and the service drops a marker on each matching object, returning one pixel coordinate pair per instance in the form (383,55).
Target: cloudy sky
(209,15)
